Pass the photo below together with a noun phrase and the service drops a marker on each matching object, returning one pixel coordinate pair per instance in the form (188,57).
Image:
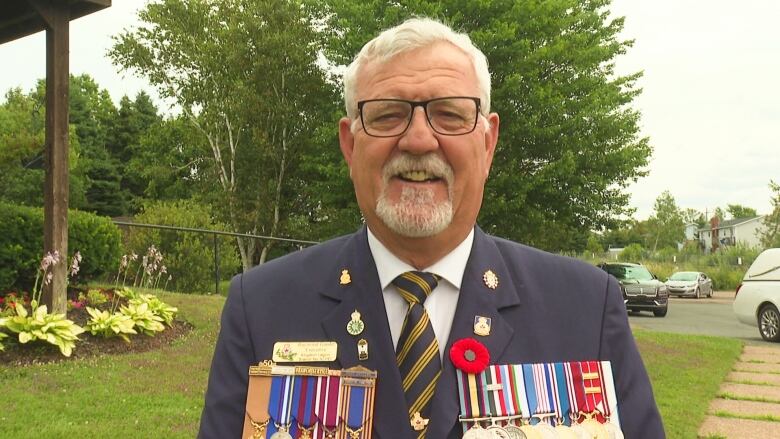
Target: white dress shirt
(440,304)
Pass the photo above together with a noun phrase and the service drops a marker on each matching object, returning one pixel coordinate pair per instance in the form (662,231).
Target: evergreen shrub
(21,244)
(187,256)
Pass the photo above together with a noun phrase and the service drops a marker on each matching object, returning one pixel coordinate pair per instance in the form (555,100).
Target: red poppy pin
(469,355)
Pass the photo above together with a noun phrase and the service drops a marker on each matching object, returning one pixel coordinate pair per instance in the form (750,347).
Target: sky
(710,103)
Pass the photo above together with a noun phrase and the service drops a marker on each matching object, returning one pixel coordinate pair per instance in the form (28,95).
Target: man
(419,141)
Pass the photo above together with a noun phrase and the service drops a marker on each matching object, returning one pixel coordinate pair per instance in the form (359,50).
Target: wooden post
(56,14)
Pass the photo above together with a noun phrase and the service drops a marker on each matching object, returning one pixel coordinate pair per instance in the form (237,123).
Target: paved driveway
(712,316)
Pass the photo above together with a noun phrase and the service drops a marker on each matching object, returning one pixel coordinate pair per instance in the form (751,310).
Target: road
(703,316)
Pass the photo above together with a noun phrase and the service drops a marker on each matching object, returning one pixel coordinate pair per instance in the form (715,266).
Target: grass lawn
(160,394)
(686,372)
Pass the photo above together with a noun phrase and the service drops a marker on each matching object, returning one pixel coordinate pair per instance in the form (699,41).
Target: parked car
(642,291)
(758,296)
(689,283)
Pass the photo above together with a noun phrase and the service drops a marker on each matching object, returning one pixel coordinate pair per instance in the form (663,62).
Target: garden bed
(41,352)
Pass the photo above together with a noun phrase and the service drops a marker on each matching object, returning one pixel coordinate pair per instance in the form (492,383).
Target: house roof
(733,222)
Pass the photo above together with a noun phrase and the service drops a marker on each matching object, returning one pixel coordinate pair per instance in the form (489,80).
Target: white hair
(412,34)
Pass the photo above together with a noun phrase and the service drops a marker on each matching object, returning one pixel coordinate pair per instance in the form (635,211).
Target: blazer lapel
(475,299)
(363,293)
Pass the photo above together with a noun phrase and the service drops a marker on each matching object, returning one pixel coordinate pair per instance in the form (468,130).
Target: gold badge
(355,326)
(482,325)
(305,351)
(362,347)
(418,422)
(490,279)
(345,278)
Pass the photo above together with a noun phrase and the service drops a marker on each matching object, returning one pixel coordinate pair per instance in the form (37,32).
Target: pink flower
(49,276)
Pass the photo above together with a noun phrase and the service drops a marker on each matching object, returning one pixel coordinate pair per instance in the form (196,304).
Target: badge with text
(305,351)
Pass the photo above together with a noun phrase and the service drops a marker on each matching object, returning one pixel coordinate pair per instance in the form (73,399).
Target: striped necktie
(417,352)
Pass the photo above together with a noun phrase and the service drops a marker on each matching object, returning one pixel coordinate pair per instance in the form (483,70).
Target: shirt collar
(451,267)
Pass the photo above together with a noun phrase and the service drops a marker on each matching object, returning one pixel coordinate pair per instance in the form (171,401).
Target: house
(743,231)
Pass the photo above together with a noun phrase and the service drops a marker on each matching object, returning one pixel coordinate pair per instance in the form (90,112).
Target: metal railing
(215,234)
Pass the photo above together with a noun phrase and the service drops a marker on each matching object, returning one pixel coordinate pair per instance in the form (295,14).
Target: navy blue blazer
(546,308)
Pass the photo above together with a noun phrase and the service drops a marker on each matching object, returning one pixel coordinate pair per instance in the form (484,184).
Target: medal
(530,432)
(498,432)
(610,400)
(477,432)
(514,432)
(355,326)
(345,278)
(362,347)
(546,431)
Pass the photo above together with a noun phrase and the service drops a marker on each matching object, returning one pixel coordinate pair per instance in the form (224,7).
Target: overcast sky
(710,105)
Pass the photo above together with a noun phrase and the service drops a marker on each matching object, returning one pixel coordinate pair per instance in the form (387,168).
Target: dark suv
(642,291)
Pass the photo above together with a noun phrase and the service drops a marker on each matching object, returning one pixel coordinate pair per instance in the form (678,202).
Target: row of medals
(590,428)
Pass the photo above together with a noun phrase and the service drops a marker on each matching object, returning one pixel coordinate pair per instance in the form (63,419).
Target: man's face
(420,183)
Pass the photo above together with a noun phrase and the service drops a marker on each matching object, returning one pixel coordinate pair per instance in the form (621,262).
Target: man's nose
(419,138)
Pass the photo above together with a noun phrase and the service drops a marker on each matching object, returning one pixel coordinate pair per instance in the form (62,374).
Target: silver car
(689,283)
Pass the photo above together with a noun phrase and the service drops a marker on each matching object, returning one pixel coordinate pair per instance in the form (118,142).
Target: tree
(569,143)
(693,216)
(666,223)
(244,73)
(740,211)
(770,236)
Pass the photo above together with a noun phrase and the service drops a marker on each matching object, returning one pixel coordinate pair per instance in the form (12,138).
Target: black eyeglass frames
(449,116)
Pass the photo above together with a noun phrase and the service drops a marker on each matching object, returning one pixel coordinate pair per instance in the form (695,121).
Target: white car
(689,283)
(758,296)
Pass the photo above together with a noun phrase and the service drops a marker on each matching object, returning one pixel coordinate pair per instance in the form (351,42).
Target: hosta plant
(2,335)
(106,324)
(157,306)
(143,317)
(40,325)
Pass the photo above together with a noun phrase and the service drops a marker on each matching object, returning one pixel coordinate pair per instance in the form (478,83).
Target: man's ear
(491,140)
(346,141)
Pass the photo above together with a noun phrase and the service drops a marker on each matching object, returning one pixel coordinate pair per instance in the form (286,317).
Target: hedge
(21,244)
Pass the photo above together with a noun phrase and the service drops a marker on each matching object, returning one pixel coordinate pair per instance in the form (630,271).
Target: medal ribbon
(327,404)
(576,389)
(511,408)
(517,378)
(280,402)
(562,409)
(594,393)
(489,404)
(464,395)
(354,410)
(610,398)
(303,400)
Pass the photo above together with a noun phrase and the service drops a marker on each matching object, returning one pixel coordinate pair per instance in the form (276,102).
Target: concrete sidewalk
(756,376)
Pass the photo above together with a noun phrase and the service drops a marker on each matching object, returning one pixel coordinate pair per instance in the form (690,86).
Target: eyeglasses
(449,116)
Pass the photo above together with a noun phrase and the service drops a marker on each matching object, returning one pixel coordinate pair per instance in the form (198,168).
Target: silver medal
(515,432)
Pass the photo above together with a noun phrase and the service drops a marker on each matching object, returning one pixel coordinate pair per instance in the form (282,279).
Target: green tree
(570,142)
(693,216)
(770,236)
(244,73)
(740,211)
(666,223)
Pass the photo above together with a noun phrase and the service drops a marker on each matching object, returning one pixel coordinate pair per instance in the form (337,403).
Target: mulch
(41,352)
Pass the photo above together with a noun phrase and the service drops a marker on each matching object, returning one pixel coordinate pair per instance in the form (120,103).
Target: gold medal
(595,429)
(355,326)
(477,432)
(546,431)
(565,432)
(530,432)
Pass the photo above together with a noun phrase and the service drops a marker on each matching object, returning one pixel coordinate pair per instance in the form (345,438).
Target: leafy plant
(40,325)
(143,318)
(157,306)
(106,324)
(2,335)
(94,297)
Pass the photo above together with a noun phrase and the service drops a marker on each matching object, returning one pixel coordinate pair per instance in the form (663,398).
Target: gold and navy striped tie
(417,352)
